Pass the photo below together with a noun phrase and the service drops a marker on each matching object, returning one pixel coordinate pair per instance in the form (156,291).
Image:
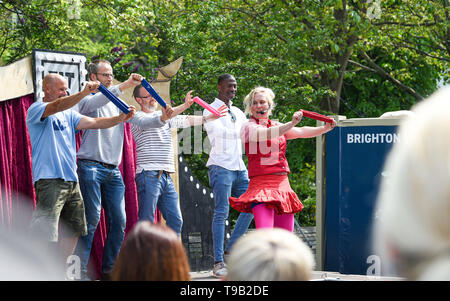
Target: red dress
(266,160)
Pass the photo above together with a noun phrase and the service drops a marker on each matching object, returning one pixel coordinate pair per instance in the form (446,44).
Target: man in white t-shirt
(227,171)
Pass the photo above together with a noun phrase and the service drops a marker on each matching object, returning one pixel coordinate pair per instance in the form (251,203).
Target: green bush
(304,184)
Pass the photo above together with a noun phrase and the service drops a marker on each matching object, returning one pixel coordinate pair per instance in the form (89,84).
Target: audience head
(412,228)
(25,257)
(267,94)
(151,252)
(270,255)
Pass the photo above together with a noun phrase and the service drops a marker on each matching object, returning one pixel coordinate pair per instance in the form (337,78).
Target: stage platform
(308,235)
(317,276)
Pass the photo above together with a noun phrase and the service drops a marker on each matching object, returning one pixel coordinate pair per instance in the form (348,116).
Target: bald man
(52,126)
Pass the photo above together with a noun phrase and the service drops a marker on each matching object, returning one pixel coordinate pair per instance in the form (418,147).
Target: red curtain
(17,198)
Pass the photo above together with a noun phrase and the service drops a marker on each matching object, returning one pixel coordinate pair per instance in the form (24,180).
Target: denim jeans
(226,183)
(158,192)
(101,186)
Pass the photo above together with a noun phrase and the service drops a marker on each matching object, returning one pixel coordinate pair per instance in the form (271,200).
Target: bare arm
(308,131)
(66,102)
(104,122)
(133,81)
(264,134)
(187,104)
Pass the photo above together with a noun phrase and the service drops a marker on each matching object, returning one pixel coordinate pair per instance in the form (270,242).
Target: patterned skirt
(272,190)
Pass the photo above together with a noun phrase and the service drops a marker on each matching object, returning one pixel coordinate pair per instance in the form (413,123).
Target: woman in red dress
(269,196)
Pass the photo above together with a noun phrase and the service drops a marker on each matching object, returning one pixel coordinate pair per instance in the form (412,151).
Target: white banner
(70,65)
(16,79)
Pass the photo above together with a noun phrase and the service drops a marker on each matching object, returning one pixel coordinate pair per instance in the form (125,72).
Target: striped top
(154,146)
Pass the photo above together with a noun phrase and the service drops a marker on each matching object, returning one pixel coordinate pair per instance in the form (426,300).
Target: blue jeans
(101,186)
(158,192)
(226,183)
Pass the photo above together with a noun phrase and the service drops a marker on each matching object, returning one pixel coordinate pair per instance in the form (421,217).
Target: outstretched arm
(104,122)
(263,134)
(186,105)
(66,102)
(93,102)
(308,131)
(199,120)
(133,81)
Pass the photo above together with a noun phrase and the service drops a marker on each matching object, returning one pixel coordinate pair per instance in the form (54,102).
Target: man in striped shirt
(155,159)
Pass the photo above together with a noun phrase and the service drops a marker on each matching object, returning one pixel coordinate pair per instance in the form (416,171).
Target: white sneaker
(220,270)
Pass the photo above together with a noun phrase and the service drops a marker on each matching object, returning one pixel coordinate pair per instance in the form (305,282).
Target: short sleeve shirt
(53,143)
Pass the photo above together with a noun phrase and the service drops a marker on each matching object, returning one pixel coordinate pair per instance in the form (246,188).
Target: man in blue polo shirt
(52,126)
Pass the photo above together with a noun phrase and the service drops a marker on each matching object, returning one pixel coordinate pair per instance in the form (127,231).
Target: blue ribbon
(153,93)
(114,99)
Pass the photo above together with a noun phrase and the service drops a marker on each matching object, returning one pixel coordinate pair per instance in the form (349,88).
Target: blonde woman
(269,196)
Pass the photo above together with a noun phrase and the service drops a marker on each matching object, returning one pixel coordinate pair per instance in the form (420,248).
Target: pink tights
(267,218)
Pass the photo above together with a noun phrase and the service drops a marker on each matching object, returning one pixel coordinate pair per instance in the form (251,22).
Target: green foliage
(317,55)
(303,183)
(36,24)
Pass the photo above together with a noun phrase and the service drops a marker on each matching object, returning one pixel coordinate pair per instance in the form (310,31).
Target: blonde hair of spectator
(412,228)
(270,255)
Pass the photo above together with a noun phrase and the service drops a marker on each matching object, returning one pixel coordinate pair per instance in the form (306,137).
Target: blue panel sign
(355,158)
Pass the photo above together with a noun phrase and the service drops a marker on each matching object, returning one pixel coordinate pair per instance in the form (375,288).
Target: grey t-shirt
(106,145)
